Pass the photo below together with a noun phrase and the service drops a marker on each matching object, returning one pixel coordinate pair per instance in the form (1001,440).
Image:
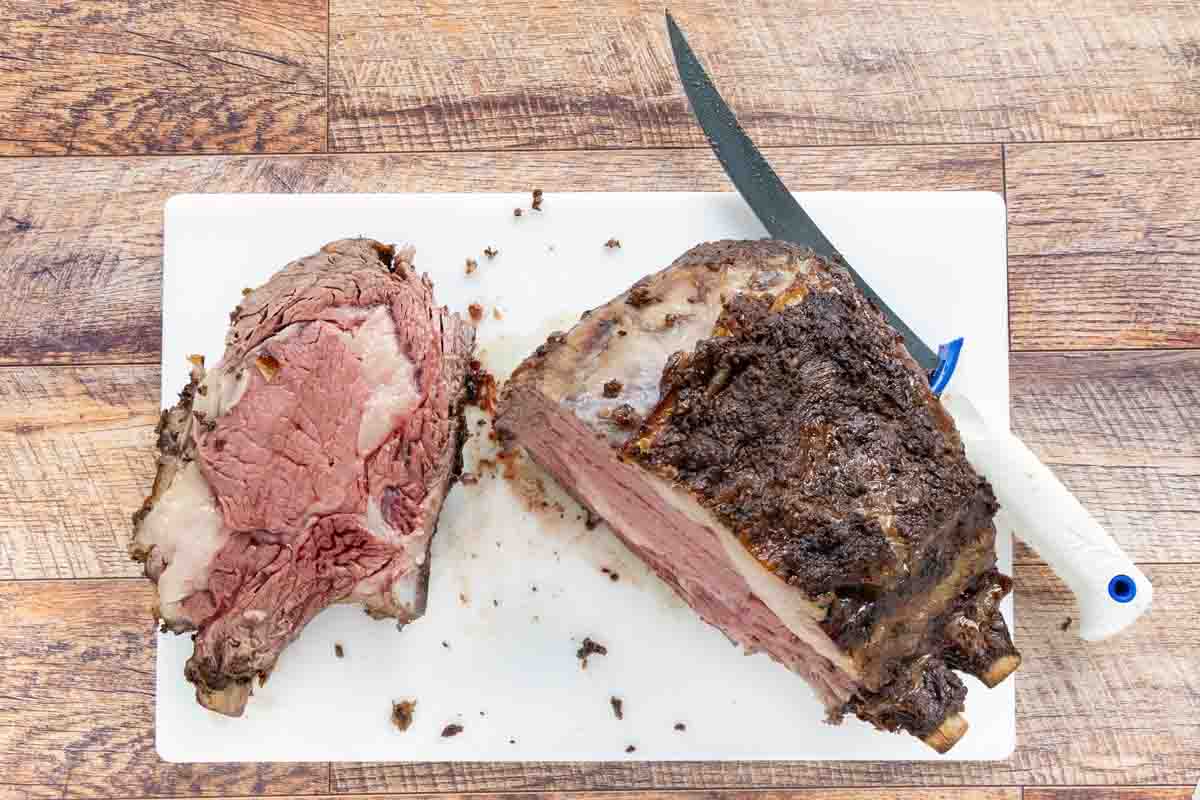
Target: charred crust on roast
(588,649)
(926,697)
(626,416)
(791,419)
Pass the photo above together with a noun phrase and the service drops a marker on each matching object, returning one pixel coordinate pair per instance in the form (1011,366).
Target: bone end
(1000,669)
(948,733)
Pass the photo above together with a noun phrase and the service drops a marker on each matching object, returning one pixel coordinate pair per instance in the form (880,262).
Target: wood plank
(81,240)
(119,76)
(76,695)
(77,700)
(470,75)
(28,791)
(878,793)
(1116,793)
(76,460)
(1125,711)
(1120,430)
(1104,245)
(76,454)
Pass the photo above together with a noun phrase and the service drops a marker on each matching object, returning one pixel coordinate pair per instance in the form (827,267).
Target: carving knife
(1110,590)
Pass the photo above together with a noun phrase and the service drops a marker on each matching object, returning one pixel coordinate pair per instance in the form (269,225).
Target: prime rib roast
(308,466)
(751,427)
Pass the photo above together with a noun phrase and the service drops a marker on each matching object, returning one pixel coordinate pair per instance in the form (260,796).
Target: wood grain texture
(470,75)
(76,695)
(76,460)
(1116,793)
(1125,711)
(77,700)
(1104,245)
(124,76)
(81,239)
(1121,431)
(877,793)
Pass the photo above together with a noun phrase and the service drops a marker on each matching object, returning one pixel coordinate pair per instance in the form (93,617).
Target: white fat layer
(637,360)
(789,604)
(223,389)
(184,528)
(389,373)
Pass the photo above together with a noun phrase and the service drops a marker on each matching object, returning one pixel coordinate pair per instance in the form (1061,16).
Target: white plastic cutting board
(492,653)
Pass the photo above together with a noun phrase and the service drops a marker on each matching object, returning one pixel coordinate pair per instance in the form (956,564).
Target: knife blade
(772,203)
(1111,592)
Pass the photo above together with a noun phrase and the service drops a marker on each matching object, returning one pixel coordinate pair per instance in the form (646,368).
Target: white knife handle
(1110,590)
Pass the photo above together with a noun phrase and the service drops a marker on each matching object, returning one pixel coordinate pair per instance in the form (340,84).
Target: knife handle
(1111,592)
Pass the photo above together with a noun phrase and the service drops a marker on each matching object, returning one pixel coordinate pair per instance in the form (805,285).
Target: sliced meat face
(308,467)
(788,472)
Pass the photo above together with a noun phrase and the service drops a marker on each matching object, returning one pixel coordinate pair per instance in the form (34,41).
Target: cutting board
(515,587)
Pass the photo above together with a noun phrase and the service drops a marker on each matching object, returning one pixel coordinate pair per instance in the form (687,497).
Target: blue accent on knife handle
(947,361)
(1122,588)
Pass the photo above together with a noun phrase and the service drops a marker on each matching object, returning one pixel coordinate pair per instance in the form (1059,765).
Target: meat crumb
(339,651)
(679,726)
(592,520)
(446,645)
(496,313)
(512,741)
(587,649)
(196,359)
(630,749)
(490,251)
(613,575)
(613,388)
(613,244)
(1065,624)
(472,265)
(246,292)
(453,729)
(481,388)
(517,212)
(537,200)
(617,707)
(624,416)
(622,333)
(476,311)
(402,713)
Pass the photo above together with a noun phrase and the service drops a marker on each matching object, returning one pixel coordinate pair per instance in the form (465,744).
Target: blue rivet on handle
(947,361)
(1122,588)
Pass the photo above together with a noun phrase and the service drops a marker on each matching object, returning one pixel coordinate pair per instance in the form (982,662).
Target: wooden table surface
(1084,113)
